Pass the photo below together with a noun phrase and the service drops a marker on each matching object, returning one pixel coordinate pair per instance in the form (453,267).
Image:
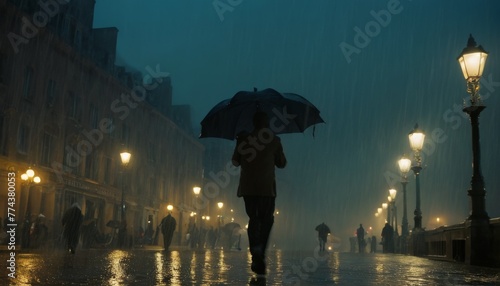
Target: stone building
(67,111)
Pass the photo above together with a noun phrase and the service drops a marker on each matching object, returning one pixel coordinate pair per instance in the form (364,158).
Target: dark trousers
(260,211)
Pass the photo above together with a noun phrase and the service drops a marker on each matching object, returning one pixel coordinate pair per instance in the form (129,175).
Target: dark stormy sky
(374,69)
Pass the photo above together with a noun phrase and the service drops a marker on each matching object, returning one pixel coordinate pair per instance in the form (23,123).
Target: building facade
(66,112)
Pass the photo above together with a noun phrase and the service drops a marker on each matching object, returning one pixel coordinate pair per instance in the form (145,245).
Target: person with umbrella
(168,224)
(71,221)
(323,231)
(258,153)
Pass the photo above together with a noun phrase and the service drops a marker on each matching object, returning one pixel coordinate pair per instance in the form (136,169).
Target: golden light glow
(417,138)
(196,190)
(125,156)
(472,60)
(392,193)
(404,165)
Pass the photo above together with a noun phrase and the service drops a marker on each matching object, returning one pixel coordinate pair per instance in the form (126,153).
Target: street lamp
(472,61)
(196,191)
(29,178)
(170,208)
(417,137)
(384,206)
(394,219)
(404,167)
(125,158)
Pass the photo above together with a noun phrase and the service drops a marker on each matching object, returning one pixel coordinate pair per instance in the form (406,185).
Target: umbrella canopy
(322,228)
(288,113)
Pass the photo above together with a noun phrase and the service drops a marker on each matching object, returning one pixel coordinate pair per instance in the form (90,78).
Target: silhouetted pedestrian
(26,228)
(211,238)
(323,231)
(122,234)
(360,233)
(373,244)
(258,153)
(168,225)
(39,232)
(387,238)
(71,221)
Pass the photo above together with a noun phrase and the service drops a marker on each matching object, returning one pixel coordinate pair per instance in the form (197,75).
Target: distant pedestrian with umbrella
(323,231)
(168,225)
(257,183)
(72,221)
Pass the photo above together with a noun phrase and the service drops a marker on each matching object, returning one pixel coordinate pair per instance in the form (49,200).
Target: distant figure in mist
(373,244)
(360,233)
(387,238)
(39,232)
(71,221)
(258,153)
(168,225)
(323,231)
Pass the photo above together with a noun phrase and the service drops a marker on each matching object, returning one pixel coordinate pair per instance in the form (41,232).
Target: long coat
(258,153)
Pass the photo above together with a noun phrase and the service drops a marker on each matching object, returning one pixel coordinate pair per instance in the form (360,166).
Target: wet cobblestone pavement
(218,267)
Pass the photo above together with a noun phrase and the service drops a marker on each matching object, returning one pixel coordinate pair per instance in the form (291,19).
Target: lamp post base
(478,244)
(418,242)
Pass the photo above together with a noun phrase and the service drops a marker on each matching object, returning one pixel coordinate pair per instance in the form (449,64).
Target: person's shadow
(257,281)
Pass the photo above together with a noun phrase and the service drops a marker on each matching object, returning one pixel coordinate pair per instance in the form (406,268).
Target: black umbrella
(288,113)
(322,228)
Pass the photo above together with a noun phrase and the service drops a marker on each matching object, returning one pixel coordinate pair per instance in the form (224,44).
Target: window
(50,93)
(107,170)
(46,149)
(23,137)
(28,81)
(94,116)
(88,166)
(125,134)
(73,106)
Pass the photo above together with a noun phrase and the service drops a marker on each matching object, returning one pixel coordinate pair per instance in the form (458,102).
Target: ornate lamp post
(29,179)
(404,167)
(417,137)
(472,61)
(394,215)
(384,206)
(125,158)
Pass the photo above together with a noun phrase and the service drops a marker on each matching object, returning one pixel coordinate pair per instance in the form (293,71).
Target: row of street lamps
(472,60)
